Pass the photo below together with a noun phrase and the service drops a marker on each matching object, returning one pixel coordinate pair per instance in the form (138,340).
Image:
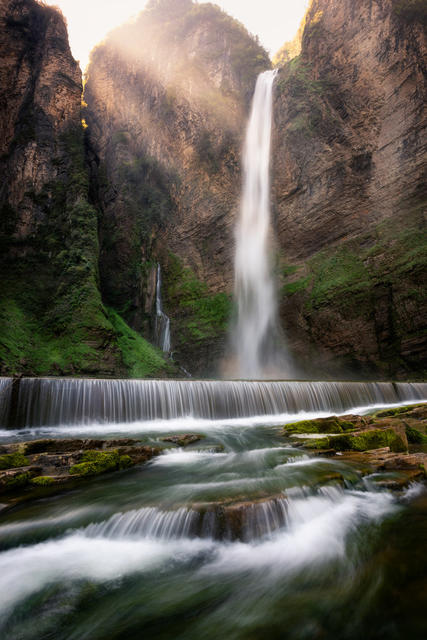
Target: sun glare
(273,21)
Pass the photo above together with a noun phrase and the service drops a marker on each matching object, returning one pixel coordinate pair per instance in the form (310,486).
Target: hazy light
(89,21)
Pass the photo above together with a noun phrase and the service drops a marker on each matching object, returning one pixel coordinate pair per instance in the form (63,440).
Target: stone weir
(37,402)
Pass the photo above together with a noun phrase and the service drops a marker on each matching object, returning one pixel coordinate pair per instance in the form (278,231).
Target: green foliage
(335,272)
(13,460)
(294,287)
(141,359)
(198,314)
(289,270)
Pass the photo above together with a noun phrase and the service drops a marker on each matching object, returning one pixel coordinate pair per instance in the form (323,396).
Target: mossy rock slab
(363,441)
(13,460)
(332,424)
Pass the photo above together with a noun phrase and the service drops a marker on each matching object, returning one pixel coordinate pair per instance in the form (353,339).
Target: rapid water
(241,536)
(163,336)
(256,335)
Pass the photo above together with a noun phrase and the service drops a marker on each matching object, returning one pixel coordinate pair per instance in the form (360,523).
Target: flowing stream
(239,536)
(260,351)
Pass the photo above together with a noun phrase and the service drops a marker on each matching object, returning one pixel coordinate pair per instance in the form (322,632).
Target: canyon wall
(146,170)
(167,101)
(349,188)
(52,319)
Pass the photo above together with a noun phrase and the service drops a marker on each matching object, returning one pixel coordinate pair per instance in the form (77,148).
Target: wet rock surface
(27,466)
(183,440)
(387,441)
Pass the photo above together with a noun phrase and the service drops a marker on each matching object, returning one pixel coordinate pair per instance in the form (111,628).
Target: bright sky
(274,21)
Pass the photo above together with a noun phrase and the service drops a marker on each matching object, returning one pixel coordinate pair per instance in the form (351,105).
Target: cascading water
(241,535)
(256,336)
(43,402)
(163,337)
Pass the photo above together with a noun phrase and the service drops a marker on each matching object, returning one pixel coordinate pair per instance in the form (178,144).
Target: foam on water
(317,529)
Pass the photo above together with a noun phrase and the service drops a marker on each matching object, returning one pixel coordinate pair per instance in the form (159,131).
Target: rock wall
(349,189)
(167,104)
(52,320)
(152,175)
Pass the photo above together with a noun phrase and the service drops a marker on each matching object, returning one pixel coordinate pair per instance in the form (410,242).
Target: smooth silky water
(241,535)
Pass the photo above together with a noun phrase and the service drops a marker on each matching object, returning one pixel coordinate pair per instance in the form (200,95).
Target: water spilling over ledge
(37,402)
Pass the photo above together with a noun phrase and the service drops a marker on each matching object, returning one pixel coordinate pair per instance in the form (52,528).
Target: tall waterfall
(256,334)
(163,336)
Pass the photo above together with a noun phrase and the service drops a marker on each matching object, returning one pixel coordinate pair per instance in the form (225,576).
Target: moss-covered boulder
(363,441)
(96,462)
(332,424)
(13,460)
(415,436)
(43,481)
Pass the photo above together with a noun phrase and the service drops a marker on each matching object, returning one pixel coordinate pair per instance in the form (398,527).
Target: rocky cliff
(167,99)
(349,188)
(52,320)
(152,175)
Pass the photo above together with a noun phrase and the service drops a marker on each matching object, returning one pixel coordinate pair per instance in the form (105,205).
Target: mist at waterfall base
(258,343)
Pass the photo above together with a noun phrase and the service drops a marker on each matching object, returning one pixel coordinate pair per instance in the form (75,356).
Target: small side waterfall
(256,334)
(163,336)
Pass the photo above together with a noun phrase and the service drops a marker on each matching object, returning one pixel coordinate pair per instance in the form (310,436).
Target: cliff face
(167,104)
(87,211)
(349,188)
(52,320)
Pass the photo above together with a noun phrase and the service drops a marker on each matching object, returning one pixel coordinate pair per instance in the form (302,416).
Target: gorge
(155,178)
(135,501)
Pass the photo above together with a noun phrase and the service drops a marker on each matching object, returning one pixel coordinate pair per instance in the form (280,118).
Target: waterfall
(256,334)
(163,338)
(70,401)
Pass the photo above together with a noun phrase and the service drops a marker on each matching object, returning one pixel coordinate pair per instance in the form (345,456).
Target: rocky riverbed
(393,441)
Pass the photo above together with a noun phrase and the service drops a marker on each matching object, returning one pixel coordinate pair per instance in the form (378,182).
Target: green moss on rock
(18,481)
(364,441)
(141,358)
(43,481)
(414,436)
(198,314)
(96,462)
(13,460)
(320,425)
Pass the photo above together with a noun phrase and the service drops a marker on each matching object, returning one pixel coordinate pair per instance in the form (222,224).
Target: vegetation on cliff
(198,315)
(52,317)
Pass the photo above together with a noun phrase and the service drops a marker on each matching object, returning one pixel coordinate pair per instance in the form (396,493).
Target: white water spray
(256,333)
(163,336)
